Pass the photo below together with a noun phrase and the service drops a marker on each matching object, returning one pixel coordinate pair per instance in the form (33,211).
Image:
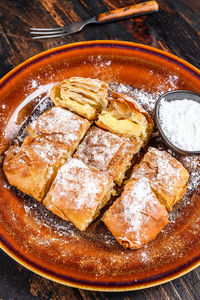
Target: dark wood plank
(153,29)
(183,40)
(190,14)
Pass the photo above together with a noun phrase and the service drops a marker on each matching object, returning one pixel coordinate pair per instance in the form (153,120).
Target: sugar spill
(66,229)
(147,100)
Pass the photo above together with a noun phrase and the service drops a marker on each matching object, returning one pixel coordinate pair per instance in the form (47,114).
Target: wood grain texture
(175,28)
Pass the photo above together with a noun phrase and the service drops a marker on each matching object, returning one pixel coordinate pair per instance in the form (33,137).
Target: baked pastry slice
(125,117)
(60,126)
(167,176)
(137,216)
(84,96)
(33,166)
(106,151)
(78,193)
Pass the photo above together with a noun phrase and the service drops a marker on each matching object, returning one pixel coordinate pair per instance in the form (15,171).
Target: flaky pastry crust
(106,151)
(60,126)
(125,117)
(85,96)
(167,176)
(33,166)
(79,192)
(137,216)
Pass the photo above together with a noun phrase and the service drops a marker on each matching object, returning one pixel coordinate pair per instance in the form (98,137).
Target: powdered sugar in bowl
(178,120)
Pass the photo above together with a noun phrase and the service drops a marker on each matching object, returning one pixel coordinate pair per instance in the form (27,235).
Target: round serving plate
(55,249)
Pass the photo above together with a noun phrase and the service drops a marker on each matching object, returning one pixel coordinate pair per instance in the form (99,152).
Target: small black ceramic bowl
(171,96)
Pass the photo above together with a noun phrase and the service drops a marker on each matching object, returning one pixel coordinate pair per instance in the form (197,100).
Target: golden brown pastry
(137,216)
(84,96)
(33,166)
(78,193)
(125,117)
(106,151)
(167,176)
(60,126)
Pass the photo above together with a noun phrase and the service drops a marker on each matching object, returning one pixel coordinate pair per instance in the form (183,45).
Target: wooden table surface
(175,28)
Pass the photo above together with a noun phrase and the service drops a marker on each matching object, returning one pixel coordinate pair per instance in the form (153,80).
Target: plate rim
(95,286)
(98,286)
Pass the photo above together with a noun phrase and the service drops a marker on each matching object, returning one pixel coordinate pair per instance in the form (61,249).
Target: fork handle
(137,9)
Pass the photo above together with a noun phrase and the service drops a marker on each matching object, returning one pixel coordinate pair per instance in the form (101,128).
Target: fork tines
(43,33)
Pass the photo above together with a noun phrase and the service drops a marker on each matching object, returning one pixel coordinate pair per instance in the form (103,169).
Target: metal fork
(134,10)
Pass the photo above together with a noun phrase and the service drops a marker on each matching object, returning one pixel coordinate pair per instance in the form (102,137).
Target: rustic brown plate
(53,248)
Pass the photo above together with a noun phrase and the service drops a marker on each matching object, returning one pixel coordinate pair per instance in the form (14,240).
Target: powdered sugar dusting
(48,152)
(192,163)
(169,170)
(37,100)
(59,125)
(137,216)
(34,84)
(149,255)
(146,99)
(98,148)
(81,185)
(44,218)
(166,173)
(180,122)
(135,203)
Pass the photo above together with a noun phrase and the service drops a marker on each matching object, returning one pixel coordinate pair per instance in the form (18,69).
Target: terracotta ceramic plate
(54,248)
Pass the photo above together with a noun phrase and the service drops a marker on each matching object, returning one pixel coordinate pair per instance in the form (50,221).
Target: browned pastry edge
(168,193)
(151,219)
(74,189)
(28,171)
(55,95)
(120,161)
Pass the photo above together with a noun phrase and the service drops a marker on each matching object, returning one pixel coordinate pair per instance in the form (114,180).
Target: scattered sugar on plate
(34,83)
(135,204)
(146,99)
(66,229)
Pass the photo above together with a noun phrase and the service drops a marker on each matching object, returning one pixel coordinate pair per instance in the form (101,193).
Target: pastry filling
(85,110)
(125,117)
(124,127)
